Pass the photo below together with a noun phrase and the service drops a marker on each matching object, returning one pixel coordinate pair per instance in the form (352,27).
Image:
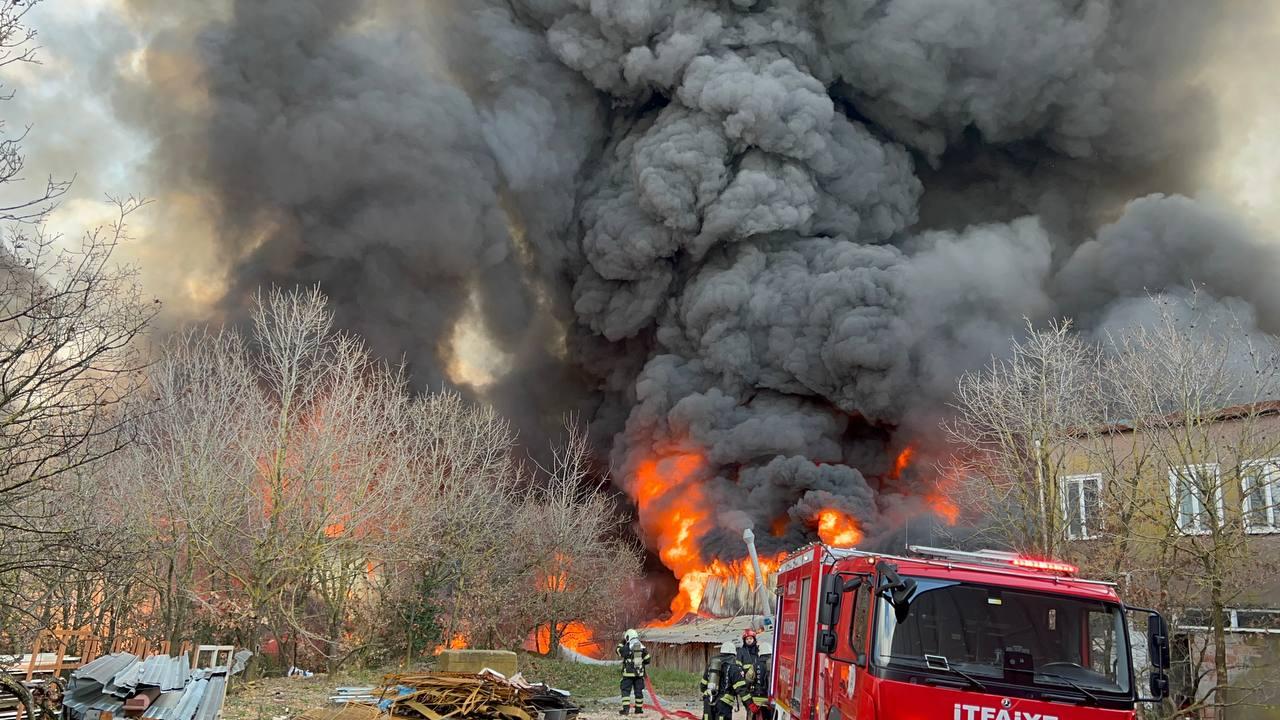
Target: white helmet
(766,648)
(631,635)
(727,648)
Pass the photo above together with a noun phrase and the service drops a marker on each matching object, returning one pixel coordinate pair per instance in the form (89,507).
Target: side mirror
(1157,660)
(895,588)
(902,595)
(1159,685)
(1158,645)
(826,641)
(829,600)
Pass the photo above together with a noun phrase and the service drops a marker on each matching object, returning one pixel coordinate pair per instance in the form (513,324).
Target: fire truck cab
(954,635)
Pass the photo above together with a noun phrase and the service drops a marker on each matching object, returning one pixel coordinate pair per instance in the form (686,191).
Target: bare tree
(1198,392)
(294,478)
(277,462)
(17,46)
(465,510)
(293,482)
(577,563)
(70,324)
(1015,426)
(69,320)
(189,455)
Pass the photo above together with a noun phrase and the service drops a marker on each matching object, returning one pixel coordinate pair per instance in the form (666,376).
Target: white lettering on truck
(978,712)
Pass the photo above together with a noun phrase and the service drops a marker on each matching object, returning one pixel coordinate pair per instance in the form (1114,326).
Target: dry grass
(286,698)
(592,686)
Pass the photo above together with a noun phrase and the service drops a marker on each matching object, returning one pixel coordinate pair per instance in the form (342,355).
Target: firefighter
(757,677)
(635,658)
(749,652)
(722,683)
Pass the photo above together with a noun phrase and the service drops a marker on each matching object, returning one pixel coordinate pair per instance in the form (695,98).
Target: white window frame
(1176,505)
(1271,493)
(1087,531)
(1232,623)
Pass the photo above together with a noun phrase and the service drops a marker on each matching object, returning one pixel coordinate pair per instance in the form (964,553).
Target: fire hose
(656,704)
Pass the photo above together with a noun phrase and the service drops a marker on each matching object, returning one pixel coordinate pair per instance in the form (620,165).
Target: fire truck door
(799,689)
(850,663)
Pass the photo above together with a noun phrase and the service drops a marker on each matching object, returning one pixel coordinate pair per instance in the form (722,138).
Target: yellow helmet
(631,635)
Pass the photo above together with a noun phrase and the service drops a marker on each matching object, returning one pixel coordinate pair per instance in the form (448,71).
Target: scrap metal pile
(159,687)
(439,695)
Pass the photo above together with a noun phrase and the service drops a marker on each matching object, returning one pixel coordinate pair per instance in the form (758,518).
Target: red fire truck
(953,635)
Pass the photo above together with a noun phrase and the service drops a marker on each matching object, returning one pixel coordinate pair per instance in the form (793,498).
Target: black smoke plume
(769,232)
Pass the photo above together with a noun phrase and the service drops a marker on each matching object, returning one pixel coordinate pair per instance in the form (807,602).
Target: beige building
(1181,513)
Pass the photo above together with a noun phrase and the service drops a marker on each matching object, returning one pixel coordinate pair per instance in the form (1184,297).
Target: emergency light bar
(995,557)
(1047,565)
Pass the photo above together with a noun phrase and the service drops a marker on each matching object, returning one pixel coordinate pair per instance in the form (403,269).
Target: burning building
(754,241)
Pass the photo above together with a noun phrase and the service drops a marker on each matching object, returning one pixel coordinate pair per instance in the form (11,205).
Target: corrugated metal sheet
(191,698)
(704,630)
(240,660)
(165,707)
(91,697)
(211,705)
(729,597)
(186,694)
(165,672)
(104,668)
(125,681)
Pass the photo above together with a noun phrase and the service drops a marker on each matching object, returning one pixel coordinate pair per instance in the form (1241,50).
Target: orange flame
(944,508)
(901,462)
(575,636)
(457,642)
(672,507)
(674,514)
(693,584)
(779,526)
(837,529)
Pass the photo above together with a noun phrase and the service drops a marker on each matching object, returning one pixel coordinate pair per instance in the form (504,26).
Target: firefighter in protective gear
(721,683)
(750,651)
(635,658)
(757,676)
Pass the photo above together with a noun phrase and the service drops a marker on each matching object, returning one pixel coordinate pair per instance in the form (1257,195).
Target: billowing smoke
(768,233)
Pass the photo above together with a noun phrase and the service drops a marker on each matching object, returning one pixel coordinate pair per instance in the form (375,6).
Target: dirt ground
(607,709)
(286,698)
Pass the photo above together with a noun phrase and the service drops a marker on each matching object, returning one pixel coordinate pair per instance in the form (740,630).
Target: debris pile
(435,695)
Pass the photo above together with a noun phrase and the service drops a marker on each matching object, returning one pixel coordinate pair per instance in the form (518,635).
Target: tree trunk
(1218,621)
(1045,548)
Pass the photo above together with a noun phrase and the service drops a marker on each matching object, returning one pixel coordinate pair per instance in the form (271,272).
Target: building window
(1081,506)
(1258,620)
(1193,489)
(1260,488)
(1242,620)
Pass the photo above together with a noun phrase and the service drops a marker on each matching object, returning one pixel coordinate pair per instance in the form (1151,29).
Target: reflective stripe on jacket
(731,683)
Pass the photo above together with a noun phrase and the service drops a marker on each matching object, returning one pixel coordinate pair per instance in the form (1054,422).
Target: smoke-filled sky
(767,232)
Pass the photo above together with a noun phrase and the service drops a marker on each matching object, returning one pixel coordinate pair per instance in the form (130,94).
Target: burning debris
(770,233)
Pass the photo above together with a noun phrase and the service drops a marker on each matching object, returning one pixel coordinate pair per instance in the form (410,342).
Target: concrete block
(473,661)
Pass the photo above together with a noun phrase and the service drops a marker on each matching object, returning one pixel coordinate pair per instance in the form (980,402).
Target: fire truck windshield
(999,635)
